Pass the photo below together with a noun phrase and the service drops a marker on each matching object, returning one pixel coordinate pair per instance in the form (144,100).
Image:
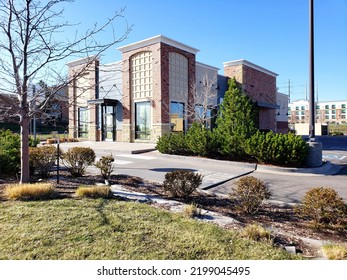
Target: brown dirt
(288,228)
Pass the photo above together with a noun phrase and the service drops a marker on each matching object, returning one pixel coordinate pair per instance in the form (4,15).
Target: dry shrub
(29,191)
(105,164)
(323,207)
(42,159)
(256,232)
(93,191)
(181,183)
(335,251)
(249,194)
(77,159)
(191,211)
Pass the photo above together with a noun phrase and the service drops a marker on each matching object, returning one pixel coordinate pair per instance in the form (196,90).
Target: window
(343,111)
(177,116)
(343,106)
(143,120)
(82,122)
(343,116)
(141,75)
(317,107)
(333,106)
(302,107)
(327,112)
(297,108)
(333,117)
(326,106)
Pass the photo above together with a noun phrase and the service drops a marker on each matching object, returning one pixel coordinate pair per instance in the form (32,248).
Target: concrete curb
(327,168)
(202,159)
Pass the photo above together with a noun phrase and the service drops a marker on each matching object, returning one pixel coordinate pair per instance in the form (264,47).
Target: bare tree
(198,105)
(29,52)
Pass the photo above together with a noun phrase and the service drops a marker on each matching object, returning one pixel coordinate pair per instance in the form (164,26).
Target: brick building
(157,87)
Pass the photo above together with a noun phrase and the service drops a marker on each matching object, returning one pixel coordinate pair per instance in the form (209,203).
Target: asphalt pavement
(286,185)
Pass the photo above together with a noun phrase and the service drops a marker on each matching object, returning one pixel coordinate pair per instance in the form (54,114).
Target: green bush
(278,149)
(42,159)
(249,194)
(33,142)
(9,152)
(105,164)
(197,139)
(323,207)
(173,143)
(181,183)
(77,159)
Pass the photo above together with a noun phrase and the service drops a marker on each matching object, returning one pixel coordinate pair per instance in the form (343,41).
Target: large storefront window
(82,122)
(177,116)
(142,120)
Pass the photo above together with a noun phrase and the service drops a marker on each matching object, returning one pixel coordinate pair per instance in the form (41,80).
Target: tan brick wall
(160,88)
(78,96)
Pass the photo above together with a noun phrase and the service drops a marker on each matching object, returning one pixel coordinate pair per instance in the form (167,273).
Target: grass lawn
(111,229)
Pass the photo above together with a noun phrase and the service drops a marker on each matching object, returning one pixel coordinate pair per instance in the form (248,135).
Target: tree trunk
(24,162)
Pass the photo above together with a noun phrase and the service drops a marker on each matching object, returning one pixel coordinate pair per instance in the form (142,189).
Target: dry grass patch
(335,251)
(93,191)
(256,232)
(29,191)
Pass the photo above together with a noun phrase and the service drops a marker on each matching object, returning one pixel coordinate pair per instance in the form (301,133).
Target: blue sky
(270,33)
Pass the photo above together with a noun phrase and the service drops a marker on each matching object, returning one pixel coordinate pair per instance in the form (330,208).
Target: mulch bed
(289,227)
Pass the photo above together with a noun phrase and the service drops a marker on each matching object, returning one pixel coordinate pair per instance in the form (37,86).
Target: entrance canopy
(103,101)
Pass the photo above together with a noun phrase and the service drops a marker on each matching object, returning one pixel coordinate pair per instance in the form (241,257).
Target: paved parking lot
(138,159)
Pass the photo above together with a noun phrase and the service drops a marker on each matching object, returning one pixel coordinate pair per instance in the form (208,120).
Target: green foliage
(9,152)
(236,121)
(278,149)
(249,194)
(33,142)
(42,159)
(197,139)
(77,159)
(105,164)
(173,143)
(181,183)
(323,207)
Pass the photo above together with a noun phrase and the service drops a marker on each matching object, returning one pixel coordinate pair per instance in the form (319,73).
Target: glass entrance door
(109,121)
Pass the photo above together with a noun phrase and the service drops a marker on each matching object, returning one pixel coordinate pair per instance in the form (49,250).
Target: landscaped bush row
(271,148)
(236,136)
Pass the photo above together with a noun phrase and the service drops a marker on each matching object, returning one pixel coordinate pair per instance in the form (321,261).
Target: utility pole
(311,73)
(289,89)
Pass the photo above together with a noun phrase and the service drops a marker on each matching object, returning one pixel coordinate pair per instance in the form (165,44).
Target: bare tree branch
(29,50)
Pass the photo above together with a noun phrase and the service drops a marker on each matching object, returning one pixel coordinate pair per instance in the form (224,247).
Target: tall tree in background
(30,51)
(236,121)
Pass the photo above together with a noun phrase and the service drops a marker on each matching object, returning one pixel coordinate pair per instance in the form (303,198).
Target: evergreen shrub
(105,164)
(278,149)
(9,152)
(173,143)
(181,183)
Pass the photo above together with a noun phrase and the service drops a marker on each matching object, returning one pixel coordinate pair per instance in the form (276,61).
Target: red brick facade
(260,85)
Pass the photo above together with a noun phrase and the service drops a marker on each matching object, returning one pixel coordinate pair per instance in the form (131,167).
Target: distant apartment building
(158,87)
(326,112)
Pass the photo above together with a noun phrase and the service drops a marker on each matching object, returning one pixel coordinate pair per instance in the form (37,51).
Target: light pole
(311,73)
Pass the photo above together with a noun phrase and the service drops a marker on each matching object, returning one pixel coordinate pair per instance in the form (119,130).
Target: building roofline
(82,61)
(158,39)
(207,66)
(249,64)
